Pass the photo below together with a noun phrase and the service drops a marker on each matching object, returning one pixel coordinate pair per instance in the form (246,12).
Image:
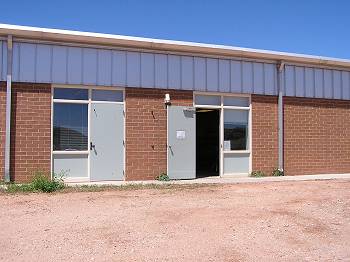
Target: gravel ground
(273,221)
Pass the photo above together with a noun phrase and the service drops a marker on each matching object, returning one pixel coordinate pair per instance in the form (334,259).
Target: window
(71,93)
(70,127)
(236,101)
(107,95)
(207,100)
(235,129)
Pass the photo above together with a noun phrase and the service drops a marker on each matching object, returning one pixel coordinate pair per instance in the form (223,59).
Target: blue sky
(318,27)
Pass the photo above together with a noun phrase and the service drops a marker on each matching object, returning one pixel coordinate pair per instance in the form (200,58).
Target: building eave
(58,35)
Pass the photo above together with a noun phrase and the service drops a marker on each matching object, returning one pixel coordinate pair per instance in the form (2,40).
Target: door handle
(92,146)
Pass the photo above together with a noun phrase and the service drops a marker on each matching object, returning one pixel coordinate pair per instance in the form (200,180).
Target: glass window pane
(236,101)
(71,93)
(70,127)
(235,129)
(207,100)
(107,95)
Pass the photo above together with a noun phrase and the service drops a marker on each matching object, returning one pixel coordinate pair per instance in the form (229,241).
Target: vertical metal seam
(263,69)
(140,69)
(304,81)
(112,68)
(230,75)
(241,72)
(97,65)
(19,62)
(167,71)
(252,89)
(295,81)
(218,74)
(126,68)
(193,83)
(35,62)
(341,84)
(82,66)
(67,54)
(180,64)
(314,80)
(332,84)
(323,84)
(154,70)
(206,74)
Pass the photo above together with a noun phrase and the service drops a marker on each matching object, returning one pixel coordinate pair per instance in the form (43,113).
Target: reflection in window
(107,95)
(207,100)
(70,127)
(71,93)
(235,130)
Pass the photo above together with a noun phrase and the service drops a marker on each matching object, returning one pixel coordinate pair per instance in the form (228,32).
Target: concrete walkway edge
(221,180)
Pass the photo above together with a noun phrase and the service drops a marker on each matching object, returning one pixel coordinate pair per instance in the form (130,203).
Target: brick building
(96,107)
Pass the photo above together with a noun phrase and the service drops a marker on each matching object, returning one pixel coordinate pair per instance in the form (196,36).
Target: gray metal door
(181,142)
(106,142)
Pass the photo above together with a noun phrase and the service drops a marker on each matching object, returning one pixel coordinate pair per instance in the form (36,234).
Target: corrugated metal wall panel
(147,70)
(345,85)
(318,83)
(187,74)
(270,79)
(43,65)
(59,65)
(118,68)
(309,83)
(212,75)
(247,77)
(327,84)
(224,75)
(27,53)
(89,66)
(174,72)
(104,67)
(133,69)
(1,60)
(75,65)
(161,70)
(258,78)
(302,81)
(337,89)
(200,76)
(236,76)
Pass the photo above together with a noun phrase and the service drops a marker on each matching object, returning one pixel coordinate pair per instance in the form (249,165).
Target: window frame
(88,101)
(222,107)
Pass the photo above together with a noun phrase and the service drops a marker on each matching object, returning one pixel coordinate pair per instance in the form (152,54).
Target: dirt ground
(273,221)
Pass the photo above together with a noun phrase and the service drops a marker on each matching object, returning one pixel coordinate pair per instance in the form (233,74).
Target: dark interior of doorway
(207,142)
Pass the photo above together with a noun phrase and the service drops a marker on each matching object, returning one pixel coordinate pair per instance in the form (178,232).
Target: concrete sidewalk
(221,180)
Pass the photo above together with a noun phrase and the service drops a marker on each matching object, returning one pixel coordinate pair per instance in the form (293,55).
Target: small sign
(180,134)
(227,145)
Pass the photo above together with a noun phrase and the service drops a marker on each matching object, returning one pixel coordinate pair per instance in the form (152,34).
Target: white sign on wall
(180,134)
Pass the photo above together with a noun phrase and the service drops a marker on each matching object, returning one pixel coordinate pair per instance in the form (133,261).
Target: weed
(163,177)
(257,173)
(40,183)
(278,172)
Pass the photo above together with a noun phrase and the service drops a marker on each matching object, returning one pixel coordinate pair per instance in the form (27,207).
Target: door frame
(88,102)
(221,109)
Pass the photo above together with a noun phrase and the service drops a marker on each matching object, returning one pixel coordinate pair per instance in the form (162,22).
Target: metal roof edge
(165,45)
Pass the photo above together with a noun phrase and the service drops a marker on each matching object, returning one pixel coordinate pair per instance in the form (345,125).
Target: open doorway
(207,142)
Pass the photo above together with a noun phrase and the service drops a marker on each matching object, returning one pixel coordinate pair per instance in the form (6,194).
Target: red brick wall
(264,133)
(146,131)
(316,136)
(30,130)
(2,127)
